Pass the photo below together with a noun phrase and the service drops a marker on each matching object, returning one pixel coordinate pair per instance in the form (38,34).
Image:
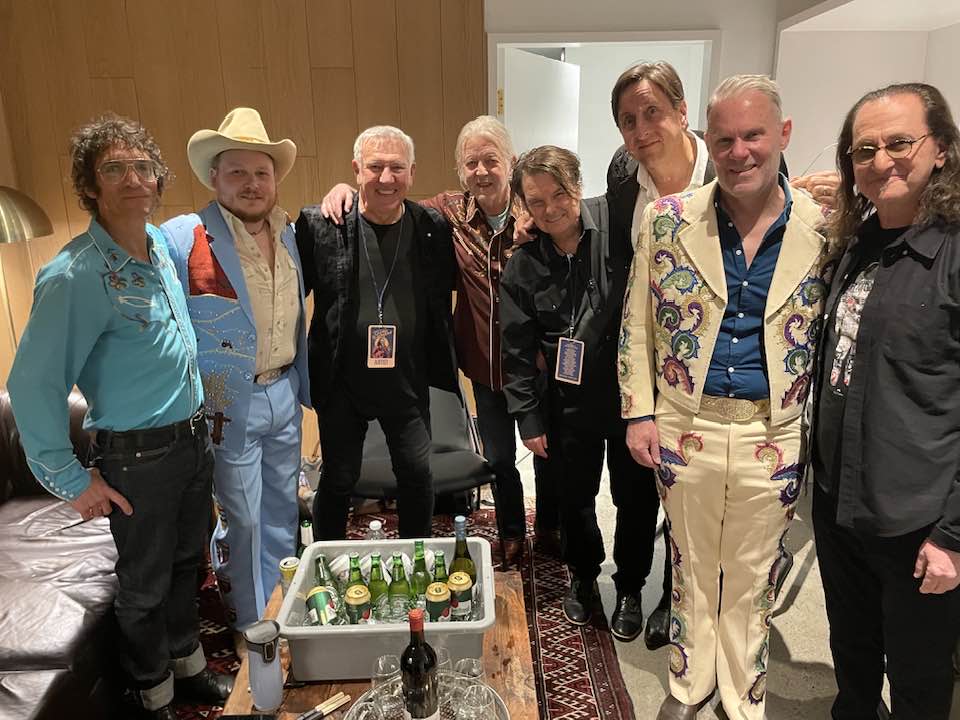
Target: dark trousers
(577,461)
(342,431)
(875,609)
(160,548)
(498,434)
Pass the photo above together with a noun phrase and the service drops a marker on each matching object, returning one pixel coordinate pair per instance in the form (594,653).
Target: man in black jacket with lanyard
(381,330)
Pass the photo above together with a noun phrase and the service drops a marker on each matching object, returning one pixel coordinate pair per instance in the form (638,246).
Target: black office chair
(455,459)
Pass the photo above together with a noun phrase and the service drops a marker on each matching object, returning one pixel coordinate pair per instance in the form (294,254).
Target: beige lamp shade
(20,217)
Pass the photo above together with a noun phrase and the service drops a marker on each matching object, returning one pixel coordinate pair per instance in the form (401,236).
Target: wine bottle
(419,578)
(306,537)
(378,586)
(439,566)
(462,562)
(418,673)
(356,574)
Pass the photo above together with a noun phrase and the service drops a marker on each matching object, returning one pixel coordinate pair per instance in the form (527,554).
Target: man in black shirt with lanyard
(381,330)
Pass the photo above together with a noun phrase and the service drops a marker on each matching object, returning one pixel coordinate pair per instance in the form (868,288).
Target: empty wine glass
(367,711)
(471,669)
(385,669)
(477,703)
(444,664)
(391,706)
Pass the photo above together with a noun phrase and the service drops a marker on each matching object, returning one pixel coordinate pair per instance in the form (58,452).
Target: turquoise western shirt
(119,330)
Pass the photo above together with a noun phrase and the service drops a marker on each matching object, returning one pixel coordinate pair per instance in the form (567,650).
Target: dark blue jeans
(160,548)
(498,434)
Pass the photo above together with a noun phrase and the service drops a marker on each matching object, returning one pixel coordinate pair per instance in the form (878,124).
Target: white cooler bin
(347,652)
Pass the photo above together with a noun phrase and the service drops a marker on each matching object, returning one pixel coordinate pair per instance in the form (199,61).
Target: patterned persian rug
(576,669)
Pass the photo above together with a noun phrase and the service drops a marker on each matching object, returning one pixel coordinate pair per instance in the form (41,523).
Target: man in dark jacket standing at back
(381,330)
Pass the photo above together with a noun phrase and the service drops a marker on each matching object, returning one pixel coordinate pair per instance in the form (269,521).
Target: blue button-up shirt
(118,329)
(738,368)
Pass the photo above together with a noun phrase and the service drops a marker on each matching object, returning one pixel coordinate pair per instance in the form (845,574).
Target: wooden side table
(506,658)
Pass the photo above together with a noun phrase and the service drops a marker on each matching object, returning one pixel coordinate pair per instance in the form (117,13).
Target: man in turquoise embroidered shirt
(109,315)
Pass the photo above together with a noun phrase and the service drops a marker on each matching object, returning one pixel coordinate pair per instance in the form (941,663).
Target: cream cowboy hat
(241,129)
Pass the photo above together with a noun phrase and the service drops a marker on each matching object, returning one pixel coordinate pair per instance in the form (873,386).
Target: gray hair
(738,84)
(488,127)
(382,132)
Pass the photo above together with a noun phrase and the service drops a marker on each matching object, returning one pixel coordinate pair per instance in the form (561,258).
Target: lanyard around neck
(380,292)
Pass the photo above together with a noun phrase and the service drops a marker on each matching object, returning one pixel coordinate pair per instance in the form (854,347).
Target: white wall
(821,74)
(748,27)
(943,64)
(600,66)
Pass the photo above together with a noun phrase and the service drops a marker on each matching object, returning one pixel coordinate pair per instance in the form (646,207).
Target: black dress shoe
(165,713)
(657,634)
(627,620)
(512,551)
(206,686)
(547,542)
(579,600)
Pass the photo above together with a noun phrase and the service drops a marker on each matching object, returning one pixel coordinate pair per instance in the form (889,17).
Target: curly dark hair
(90,141)
(557,162)
(940,199)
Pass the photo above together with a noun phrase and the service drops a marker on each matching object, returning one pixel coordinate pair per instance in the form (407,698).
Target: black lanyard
(373,277)
(572,283)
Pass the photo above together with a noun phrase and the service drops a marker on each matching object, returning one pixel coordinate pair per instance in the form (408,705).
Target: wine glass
(391,705)
(471,669)
(367,711)
(444,664)
(385,669)
(477,703)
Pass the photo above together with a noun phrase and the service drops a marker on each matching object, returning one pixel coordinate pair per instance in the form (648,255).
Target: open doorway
(550,90)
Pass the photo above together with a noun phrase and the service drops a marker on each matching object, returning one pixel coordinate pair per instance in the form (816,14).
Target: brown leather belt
(270,376)
(735,409)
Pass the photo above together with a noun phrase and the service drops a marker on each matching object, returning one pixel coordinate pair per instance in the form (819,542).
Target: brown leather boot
(512,552)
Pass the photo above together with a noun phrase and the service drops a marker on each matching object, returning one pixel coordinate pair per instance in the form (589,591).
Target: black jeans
(342,432)
(498,434)
(161,547)
(577,459)
(875,609)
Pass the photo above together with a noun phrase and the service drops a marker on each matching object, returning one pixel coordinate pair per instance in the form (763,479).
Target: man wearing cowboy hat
(238,262)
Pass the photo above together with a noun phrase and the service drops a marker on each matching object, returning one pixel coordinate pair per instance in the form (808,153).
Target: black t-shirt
(383,391)
(840,347)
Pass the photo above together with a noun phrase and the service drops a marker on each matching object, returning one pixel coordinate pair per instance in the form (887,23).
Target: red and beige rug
(576,669)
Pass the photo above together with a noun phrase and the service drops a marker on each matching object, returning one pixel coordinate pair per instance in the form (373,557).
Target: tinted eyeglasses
(899,148)
(114,171)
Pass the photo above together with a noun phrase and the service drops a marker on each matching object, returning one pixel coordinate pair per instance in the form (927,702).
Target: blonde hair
(382,132)
(739,84)
(488,127)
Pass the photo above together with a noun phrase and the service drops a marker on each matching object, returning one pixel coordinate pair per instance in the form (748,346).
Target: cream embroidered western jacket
(668,334)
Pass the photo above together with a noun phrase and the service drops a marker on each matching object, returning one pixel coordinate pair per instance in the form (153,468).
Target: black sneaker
(579,600)
(627,620)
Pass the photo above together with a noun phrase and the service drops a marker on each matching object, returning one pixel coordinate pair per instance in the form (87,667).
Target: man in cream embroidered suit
(238,262)
(722,317)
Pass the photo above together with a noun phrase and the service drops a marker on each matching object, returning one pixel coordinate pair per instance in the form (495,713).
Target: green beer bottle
(420,578)
(306,537)
(462,562)
(324,575)
(439,567)
(356,575)
(398,592)
(377,585)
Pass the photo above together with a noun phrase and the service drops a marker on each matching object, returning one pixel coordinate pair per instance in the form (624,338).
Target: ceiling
(922,15)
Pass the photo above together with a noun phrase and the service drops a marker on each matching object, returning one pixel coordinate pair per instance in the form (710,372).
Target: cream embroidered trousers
(729,490)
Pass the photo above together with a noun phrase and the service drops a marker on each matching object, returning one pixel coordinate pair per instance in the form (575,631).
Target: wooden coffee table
(506,658)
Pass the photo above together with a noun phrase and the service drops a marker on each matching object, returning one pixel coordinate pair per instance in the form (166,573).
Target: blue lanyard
(373,277)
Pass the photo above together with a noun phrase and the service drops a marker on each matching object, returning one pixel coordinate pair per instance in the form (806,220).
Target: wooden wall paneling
(241,34)
(8,168)
(118,95)
(8,346)
(329,32)
(464,71)
(288,74)
(158,79)
(71,91)
(18,283)
(301,187)
(421,89)
(109,36)
(78,219)
(335,112)
(202,90)
(34,130)
(247,87)
(373,25)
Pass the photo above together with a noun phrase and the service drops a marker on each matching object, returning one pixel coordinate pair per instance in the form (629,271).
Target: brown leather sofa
(56,592)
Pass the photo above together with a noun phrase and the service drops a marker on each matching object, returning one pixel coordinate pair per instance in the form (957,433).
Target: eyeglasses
(899,148)
(114,171)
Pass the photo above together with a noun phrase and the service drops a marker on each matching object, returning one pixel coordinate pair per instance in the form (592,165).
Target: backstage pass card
(569,361)
(381,346)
